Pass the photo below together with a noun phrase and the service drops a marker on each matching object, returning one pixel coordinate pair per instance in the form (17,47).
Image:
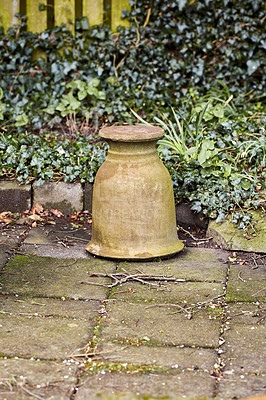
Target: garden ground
(71,330)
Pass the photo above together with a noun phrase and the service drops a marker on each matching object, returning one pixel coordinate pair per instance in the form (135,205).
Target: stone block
(14,197)
(229,237)
(65,197)
(88,192)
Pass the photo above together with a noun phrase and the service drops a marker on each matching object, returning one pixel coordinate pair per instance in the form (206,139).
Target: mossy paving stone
(46,338)
(9,240)
(205,265)
(3,255)
(188,292)
(52,234)
(244,347)
(134,321)
(47,379)
(229,237)
(166,357)
(47,277)
(56,251)
(246,284)
(11,235)
(73,309)
(245,313)
(170,386)
(241,386)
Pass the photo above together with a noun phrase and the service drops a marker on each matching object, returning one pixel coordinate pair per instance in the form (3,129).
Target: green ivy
(29,157)
(175,53)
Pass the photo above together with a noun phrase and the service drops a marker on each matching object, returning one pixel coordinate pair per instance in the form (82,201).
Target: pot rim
(132,133)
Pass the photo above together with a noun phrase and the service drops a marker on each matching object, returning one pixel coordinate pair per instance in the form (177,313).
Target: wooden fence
(43,14)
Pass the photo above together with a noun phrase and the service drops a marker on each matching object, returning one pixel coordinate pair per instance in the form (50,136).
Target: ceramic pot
(133,208)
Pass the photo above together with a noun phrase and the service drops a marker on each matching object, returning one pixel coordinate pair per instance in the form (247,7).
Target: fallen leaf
(4,214)
(6,220)
(57,213)
(38,208)
(35,217)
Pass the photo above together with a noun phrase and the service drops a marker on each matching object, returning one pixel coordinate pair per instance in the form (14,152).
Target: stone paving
(65,334)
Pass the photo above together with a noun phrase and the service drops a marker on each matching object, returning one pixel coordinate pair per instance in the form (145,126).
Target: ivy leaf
(245,184)
(218,111)
(82,94)
(21,120)
(72,101)
(252,66)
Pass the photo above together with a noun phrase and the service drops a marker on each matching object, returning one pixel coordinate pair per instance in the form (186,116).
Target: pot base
(125,254)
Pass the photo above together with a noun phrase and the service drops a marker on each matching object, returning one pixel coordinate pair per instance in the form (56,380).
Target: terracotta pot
(133,209)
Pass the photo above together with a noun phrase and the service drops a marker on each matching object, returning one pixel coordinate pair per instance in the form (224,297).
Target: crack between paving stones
(91,346)
(219,365)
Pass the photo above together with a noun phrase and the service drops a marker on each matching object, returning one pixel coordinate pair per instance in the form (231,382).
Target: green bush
(174,54)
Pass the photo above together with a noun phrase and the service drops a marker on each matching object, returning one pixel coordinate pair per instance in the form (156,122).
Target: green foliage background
(172,50)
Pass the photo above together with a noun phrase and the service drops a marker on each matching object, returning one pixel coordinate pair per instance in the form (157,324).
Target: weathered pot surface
(133,202)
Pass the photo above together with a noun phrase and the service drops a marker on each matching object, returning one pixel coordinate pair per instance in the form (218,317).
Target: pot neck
(119,149)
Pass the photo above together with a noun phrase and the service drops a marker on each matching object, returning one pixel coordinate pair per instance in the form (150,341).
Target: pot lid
(132,133)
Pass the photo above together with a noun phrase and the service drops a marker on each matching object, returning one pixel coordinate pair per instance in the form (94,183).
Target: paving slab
(55,241)
(165,357)
(9,240)
(46,379)
(3,255)
(184,292)
(244,335)
(245,349)
(12,236)
(44,307)
(205,265)
(229,237)
(48,277)
(45,338)
(52,235)
(246,284)
(134,321)
(246,313)
(185,384)
(56,251)
(241,387)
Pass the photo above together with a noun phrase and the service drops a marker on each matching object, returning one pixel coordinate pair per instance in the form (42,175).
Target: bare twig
(193,237)
(259,291)
(121,278)
(77,238)
(239,276)
(261,319)
(255,262)
(26,390)
(167,305)
(94,283)
(68,265)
